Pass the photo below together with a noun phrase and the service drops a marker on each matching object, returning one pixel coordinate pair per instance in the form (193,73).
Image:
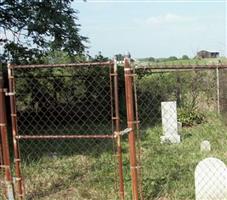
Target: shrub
(151,59)
(185,57)
(171,58)
(190,117)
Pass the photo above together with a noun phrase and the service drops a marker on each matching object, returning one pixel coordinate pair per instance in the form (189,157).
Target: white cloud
(168,18)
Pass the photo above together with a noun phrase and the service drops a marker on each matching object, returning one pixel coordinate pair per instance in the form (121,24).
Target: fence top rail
(83,64)
(176,67)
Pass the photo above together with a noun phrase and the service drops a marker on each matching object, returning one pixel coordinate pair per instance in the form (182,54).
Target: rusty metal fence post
(116,119)
(128,71)
(138,137)
(5,161)
(11,93)
(218,89)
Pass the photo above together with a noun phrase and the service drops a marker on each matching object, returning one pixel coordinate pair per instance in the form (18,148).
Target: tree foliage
(119,57)
(32,28)
(188,89)
(185,57)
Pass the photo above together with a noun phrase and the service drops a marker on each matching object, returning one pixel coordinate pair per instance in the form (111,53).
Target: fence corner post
(218,89)
(19,193)
(128,72)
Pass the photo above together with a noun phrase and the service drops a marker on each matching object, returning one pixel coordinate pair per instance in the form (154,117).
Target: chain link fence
(67,122)
(179,109)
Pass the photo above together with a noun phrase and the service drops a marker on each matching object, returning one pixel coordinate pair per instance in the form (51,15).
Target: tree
(119,57)
(185,57)
(32,28)
(151,59)
(172,58)
(100,57)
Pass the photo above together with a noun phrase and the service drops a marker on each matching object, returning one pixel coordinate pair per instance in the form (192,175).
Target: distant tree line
(171,58)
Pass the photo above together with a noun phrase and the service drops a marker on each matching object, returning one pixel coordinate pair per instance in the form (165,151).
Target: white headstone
(211,180)
(179,127)
(169,122)
(205,146)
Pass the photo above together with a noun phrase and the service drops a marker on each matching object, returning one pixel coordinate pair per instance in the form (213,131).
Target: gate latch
(5,90)
(120,133)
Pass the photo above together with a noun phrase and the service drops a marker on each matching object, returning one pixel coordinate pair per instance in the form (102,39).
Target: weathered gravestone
(205,146)
(169,122)
(211,180)
(179,127)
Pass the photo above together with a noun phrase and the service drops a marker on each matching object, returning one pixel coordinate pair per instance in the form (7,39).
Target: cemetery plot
(180,125)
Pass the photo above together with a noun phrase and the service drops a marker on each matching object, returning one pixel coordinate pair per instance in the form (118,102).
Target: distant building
(207,54)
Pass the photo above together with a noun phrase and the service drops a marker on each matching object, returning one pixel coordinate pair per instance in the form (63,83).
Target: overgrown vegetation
(190,117)
(72,177)
(188,89)
(168,170)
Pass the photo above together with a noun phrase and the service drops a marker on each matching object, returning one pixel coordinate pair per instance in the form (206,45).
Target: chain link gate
(65,124)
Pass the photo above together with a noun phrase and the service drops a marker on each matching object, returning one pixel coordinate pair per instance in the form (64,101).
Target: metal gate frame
(19,182)
(132,123)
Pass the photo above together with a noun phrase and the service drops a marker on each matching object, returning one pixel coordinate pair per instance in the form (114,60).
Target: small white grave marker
(169,122)
(211,180)
(205,146)
(179,127)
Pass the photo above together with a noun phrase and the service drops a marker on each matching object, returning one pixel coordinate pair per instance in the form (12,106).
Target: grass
(168,170)
(73,177)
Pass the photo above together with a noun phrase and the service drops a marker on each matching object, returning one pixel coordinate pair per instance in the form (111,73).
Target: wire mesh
(178,112)
(66,120)
(65,132)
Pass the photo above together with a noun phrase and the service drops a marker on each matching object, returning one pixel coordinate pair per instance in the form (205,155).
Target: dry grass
(168,170)
(70,177)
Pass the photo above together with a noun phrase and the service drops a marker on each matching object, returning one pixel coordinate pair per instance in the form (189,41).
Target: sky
(155,28)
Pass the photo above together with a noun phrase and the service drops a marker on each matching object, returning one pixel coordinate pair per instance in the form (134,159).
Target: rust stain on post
(130,119)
